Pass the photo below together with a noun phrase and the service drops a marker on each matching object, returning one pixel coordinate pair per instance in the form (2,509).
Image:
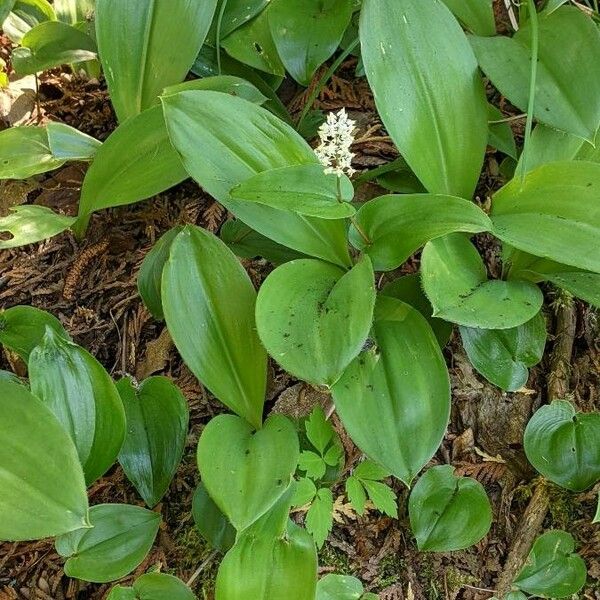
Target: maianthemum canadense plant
(319,314)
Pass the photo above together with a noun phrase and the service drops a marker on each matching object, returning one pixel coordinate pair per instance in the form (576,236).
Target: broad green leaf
(259,142)
(212,524)
(553,569)
(567,94)
(235,14)
(408,289)
(503,356)
(31,223)
(397,226)
(552,5)
(153,586)
(24,152)
(205,289)
(312,464)
(43,490)
(147,45)
(246,471)
(84,399)
(313,318)
(584,285)
(319,518)
(118,542)
(427,90)
(52,44)
(157,423)
(319,430)
(9,377)
(24,15)
(307,33)
(22,328)
(448,512)
(562,445)
(135,162)
(396,392)
(339,587)
(475,15)
(554,213)
(67,143)
(303,189)
(227,84)
(500,135)
(74,11)
(455,281)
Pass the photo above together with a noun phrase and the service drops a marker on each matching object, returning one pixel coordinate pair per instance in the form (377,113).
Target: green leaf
(500,135)
(319,518)
(427,90)
(212,524)
(135,162)
(339,587)
(84,399)
(397,226)
(306,34)
(118,542)
(448,512)
(562,445)
(502,356)
(335,455)
(31,223)
(455,280)
(9,377)
(43,490)
(561,100)
(74,11)
(157,424)
(312,463)
(67,143)
(153,586)
(368,469)
(24,152)
(475,15)
(52,44)
(246,471)
(205,289)
(305,492)
(22,328)
(318,429)
(597,515)
(554,213)
(382,497)
(149,279)
(24,15)
(235,14)
(313,318)
(356,493)
(6,7)
(147,45)
(396,392)
(303,189)
(259,142)
(553,569)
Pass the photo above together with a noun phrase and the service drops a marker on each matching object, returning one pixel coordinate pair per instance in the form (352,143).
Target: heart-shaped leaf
(314,318)
(29,224)
(157,423)
(562,445)
(455,281)
(43,489)
(153,586)
(397,226)
(212,524)
(120,538)
(448,512)
(246,471)
(396,392)
(83,397)
(205,289)
(553,569)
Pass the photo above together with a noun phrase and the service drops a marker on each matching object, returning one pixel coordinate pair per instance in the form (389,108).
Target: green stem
(353,220)
(218,34)
(315,93)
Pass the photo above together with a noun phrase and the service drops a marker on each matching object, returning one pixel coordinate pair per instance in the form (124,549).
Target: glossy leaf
(448,512)
(303,189)
(554,213)
(307,33)
(246,471)
(157,423)
(74,11)
(502,356)
(567,94)
(235,14)
(313,318)
(259,142)
(562,445)
(427,90)
(31,223)
(227,84)
(22,328)
(205,289)
(118,542)
(212,524)
(147,45)
(553,569)
(67,143)
(475,15)
(397,226)
(396,392)
(24,15)
(43,490)
(84,399)
(153,586)
(455,281)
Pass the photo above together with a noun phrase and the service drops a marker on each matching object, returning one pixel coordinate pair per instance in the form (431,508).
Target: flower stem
(353,220)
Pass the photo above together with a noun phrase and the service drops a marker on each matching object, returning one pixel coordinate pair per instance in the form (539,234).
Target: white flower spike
(336,139)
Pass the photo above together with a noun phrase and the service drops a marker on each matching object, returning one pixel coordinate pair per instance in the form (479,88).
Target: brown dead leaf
(157,355)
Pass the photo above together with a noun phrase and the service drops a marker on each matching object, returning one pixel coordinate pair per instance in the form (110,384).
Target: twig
(511,14)
(201,568)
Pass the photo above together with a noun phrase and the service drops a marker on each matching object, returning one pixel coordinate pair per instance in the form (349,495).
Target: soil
(91,287)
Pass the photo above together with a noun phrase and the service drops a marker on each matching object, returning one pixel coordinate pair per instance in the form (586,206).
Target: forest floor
(91,287)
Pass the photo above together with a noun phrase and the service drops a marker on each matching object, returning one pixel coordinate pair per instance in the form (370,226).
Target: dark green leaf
(235,14)
(475,15)
(212,524)
(153,586)
(500,135)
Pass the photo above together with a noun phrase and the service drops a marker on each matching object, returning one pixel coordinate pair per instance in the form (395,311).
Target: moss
(389,571)
(456,579)
(333,557)
(562,507)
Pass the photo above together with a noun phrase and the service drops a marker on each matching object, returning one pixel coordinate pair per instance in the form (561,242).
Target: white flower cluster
(336,139)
